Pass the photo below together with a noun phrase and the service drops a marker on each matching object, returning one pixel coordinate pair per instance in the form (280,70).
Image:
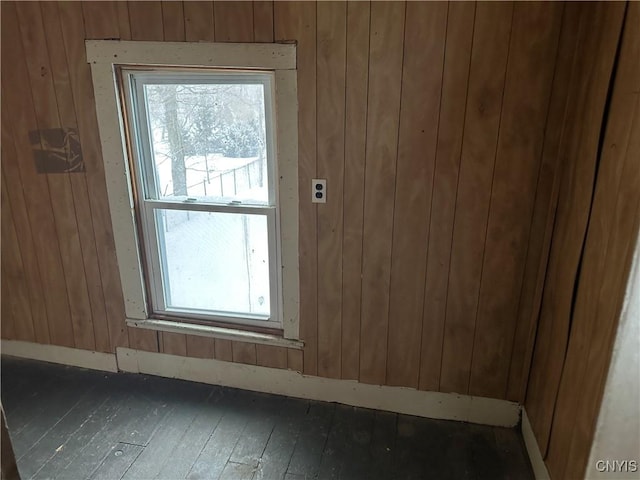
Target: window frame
(106,58)
(143,174)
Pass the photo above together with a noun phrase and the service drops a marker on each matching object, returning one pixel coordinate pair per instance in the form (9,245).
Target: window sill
(215,332)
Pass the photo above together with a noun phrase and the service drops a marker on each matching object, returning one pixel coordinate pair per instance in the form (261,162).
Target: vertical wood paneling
(223,350)
(297,21)
(620,251)
(544,209)
(123,20)
(580,150)
(62,201)
(21,219)
(356,90)
(81,203)
(421,91)
(72,26)
(200,347)
(331,57)
(295,360)
(173,21)
(263,21)
(524,113)
(385,69)
(484,103)
(174,343)
(234,21)
(199,21)
(243,352)
(453,103)
(268,356)
(145,19)
(609,247)
(36,187)
(15,296)
(101,19)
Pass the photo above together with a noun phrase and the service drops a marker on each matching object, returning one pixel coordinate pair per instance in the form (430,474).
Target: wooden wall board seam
(364,182)
(489,57)
(550,223)
(25,82)
(356,106)
(551,211)
(493,179)
(571,218)
(433,181)
(36,291)
(381,160)
(513,192)
(608,249)
(421,98)
(456,72)
(466,106)
(19,257)
(331,43)
(65,184)
(395,188)
(86,238)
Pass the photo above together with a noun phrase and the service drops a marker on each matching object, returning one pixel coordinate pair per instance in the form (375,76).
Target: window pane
(208,141)
(214,261)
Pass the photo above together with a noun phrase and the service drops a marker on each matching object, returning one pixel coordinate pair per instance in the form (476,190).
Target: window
(204,169)
(204,150)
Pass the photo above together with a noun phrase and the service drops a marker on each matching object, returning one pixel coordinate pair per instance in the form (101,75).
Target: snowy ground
(216,261)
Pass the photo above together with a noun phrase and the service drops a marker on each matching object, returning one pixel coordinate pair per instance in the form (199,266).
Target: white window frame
(104,56)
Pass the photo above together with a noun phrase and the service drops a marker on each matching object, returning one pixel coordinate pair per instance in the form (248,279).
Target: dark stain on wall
(57,150)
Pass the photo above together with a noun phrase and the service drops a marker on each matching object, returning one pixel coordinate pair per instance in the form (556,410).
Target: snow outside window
(204,167)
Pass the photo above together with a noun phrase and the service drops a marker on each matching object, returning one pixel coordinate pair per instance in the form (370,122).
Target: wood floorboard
(277,454)
(340,441)
(62,396)
(237,471)
(262,415)
(383,445)
(312,439)
(195,437)
(44,448)
(70,423)
(167,435)
(485,457)
(215,454)
(117,462)
(358,444)
(95,421)
(512,453)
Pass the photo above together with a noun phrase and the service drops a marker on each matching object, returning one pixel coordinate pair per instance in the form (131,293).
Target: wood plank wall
(579,148)
(580,317)
(433,123)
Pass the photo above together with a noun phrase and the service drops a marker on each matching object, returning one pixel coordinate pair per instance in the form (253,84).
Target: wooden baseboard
(446,406)
(409,401)
(535,456)
(57,354)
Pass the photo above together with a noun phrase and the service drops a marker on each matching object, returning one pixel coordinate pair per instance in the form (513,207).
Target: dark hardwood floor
(71,423)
